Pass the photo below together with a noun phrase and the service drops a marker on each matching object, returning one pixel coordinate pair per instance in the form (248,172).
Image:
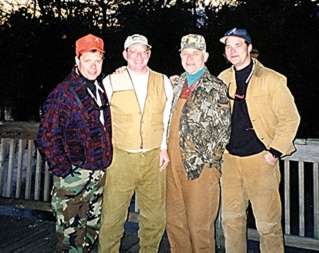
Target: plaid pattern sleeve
(50,139)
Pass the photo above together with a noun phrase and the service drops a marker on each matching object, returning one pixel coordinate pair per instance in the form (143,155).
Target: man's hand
(270,159)
(120,70)
(164,159)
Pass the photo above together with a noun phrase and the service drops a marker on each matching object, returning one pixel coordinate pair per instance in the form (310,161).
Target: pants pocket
(73,184)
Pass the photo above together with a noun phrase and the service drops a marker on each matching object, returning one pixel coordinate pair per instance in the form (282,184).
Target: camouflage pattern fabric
(76,203)
(193,41)
(205,123)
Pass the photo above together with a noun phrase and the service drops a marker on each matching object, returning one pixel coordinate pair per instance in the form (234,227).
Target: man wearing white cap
(140,100)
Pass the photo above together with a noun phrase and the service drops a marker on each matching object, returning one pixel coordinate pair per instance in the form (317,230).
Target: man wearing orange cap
(75,139)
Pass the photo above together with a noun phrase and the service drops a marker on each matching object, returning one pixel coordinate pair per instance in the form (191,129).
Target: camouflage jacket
(204,123)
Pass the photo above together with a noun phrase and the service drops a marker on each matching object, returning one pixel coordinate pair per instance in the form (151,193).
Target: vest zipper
(142,117)
(147,93)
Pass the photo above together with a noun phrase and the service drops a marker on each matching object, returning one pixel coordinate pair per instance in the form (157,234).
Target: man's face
(90,64)
(237,52)
(193,59)
(137,57)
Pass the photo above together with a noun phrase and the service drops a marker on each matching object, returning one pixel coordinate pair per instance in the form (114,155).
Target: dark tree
(37,44)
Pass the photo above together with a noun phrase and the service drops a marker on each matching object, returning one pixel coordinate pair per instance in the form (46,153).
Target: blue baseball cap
(238,32)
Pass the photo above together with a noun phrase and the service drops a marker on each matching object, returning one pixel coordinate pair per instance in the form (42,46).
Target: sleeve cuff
(275,153)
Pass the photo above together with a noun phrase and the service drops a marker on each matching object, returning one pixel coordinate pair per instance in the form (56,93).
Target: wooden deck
(25,183)
(27,231)
(26,234)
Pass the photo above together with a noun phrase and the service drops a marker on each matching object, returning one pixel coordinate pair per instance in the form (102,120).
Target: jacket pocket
(74,146)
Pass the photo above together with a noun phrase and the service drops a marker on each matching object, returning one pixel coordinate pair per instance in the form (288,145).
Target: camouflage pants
(76,204)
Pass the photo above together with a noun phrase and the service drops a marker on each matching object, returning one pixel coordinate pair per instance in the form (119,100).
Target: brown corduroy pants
(131,172)
(192,205)
(251,179)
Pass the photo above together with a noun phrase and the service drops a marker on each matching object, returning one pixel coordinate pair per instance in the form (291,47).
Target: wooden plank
(19,168)
(29,171)
(301,194)
(307,150)
(26,204)
(46,187)
(287,196)
(27,235)
(220,240)
(316,199)
(290,240)
(133,217)
(136,204)
(19,130)
(10,168)
(1,163)
(37,181)
(300,141)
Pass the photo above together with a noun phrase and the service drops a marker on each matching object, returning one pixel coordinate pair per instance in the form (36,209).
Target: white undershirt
(140,82)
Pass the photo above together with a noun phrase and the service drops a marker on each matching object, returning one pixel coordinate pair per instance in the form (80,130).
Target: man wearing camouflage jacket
(199,131)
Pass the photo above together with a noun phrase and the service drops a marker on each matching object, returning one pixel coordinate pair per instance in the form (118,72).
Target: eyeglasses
(237,97)
(135,53)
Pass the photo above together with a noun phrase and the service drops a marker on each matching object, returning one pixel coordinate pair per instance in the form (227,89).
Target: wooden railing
(25,182)
(300,184)
(24,178)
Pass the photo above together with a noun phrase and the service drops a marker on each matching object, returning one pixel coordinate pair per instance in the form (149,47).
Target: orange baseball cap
(87,43)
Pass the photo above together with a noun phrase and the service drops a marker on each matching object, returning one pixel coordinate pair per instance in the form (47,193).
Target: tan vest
(132,128)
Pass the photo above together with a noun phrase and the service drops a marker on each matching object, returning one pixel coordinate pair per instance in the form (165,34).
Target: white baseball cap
(136,39)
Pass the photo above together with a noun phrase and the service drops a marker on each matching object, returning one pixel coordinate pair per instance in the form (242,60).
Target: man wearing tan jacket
(263,125)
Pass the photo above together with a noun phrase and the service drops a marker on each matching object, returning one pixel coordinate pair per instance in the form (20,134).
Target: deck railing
(300,196)
(24,178)
(26,183)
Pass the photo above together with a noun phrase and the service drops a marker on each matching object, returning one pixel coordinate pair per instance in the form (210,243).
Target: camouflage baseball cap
(193,41)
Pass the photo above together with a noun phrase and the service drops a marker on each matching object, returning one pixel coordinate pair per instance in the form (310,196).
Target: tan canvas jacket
(271,106)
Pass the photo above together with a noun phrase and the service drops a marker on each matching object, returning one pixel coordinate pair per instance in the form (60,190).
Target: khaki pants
(131,172)
(192,205)
(251,179)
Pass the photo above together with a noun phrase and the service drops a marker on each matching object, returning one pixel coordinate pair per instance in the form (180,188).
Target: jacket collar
(257,68)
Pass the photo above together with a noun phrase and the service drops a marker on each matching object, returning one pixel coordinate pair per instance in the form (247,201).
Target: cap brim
(91,49)
(223,39)
(98,49)
(147,45)
(200,49)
